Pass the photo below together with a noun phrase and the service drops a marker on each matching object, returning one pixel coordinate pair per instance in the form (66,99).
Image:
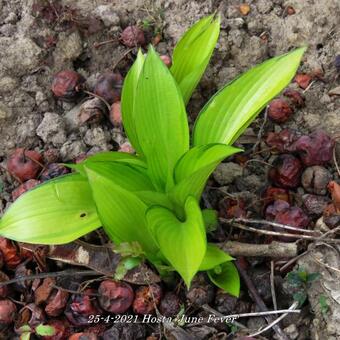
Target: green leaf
(194,168)
(45,330)
(56,212)
(213,257)
(161,121)
(25,336)
(300,297)
(233,108)
(122,213)
(226,278)
(210,218)
(128,101)
(183,244)
(113,156)
(193,52)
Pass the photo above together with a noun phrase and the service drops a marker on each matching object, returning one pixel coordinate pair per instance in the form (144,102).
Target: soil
(36,42)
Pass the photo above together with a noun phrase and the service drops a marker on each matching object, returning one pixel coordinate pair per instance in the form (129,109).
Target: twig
(121,58)
(99,97)
(274,233)
(99,44)
(274,224)
(325,264)
(311,247)
(276,321)
(259,135)
(71,291)
(272,284)
(63,273)
(258,300)
(274,249)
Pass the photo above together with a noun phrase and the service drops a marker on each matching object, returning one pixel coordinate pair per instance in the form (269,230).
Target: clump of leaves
(300,280)
(153,197)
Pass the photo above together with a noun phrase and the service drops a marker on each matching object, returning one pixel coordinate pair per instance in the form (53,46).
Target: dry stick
(258,300)
(275,322)
(259,135)
(99,97)
(121,58)
(274,233)
(63,273)
(325,264)
(321,238)
(274,249)
(272,284)
(274,224)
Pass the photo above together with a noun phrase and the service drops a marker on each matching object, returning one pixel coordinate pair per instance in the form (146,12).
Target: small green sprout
(153,197)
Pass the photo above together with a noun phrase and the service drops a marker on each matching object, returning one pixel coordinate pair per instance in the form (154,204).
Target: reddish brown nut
(22,188)
(53,170)
(303,80)
(67,85)
(115,297)
(83,336)
(10,253)
(334,189)
(132,36)
(3,289)
(294,217)
(81,307)
(7,312)
(315,179)
(279,110)
(170,305)
(92,111)
(273,194)
(147,297)
(42,293)
(296,97)
(166,60)
(31,315)
(314,205)
(282,141)
(290,10)
(274,208)
(109,87)
(56,302)
(24,164)
(286,171)
(314,149)
(116,114)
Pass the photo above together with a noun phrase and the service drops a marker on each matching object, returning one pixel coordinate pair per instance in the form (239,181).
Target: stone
(7,84)
(97,137)
(5,112)
(108,15)
(71,150)
(52,129)
(226,173)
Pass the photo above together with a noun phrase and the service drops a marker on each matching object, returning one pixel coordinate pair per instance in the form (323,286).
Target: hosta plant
(153,197)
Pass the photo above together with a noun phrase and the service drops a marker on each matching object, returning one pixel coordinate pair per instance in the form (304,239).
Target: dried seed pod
(92,111)
(24,164)
(315,179)
(282,141)
(296,97)
(303,80)
(56,302)
(42,293)
(67,85)
(109,87)
(53,170)
(132,36)
(22,188)
(8,312)
(166,60)
(170,305)
(286,171)
(115,297)
(10,253)
(116,114)
(30,314)
(146,298)
(314,149)
(279,110)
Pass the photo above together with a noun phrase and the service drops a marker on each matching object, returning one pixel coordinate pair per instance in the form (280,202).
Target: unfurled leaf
(193,52)
(194,168)
(128,101)
(213,257)
(226,278)
(122,213)
(233,108)
(183,243)
(56,212)
(161,121)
